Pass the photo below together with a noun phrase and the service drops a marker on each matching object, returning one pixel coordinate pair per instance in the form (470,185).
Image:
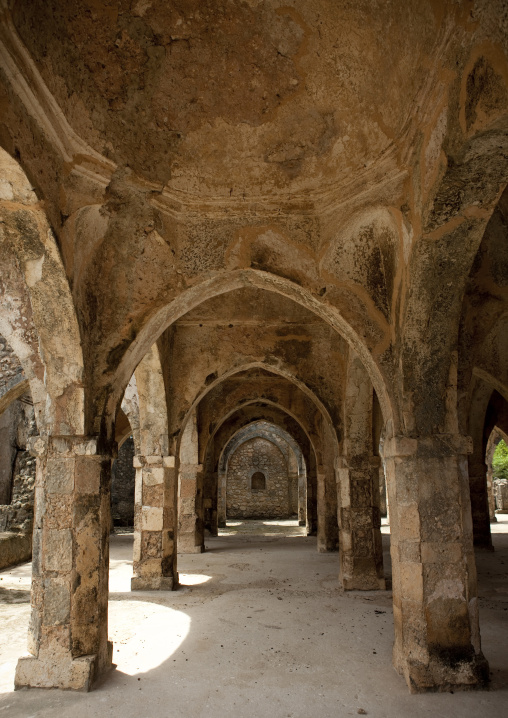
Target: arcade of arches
(272,267)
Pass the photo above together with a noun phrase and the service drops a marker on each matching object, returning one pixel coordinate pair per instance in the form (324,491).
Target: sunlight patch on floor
(192,579)
(263,527)
(120,574)
(144,634)
(501,525)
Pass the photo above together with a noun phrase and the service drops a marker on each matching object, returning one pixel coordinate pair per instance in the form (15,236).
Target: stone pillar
(155,522)
(327,527)
(191,536)
(479,502)
(210,503)
(302,498)
(491,447)
(293,468)
(361,549)
(293,493)
(501,490)
(437,637)
(221,498)
(68,634)
(312,521)
(383,500)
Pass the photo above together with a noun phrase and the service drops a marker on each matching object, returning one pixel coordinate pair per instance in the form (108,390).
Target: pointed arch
(223,283)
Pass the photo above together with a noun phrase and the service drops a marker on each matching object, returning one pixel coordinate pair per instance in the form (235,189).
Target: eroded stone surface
(291,214)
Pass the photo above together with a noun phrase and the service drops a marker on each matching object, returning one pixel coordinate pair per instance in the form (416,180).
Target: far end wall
(247,499)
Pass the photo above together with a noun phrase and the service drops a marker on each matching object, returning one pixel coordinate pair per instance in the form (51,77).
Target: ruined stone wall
(242,501)
(16,514)
(7,450)
(123,476)
(11,371)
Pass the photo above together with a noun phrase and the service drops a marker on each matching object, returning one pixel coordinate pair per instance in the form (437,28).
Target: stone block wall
(123,476)
(274,501)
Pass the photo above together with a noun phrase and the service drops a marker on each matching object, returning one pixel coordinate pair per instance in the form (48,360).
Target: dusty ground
(259,627)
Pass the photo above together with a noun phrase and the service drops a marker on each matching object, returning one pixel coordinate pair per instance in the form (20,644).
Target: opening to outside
(500,477)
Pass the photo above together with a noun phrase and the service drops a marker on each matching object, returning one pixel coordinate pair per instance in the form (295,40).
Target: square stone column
(479,502)
(327,527)
(361,549)
(302,498)
(210,498)
(293,503)
(221,499)
(312,521)
(437,637)
(490,496)
(191,535)
(68,634)
(155,524)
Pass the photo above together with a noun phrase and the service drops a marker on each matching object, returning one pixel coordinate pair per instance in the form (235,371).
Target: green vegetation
(500,461)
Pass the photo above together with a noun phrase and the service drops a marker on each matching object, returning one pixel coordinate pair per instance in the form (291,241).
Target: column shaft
(312,520)
(69,620)
(437,638)
(361,549)
(302,499)
(191,536)
(155,523)
(210,497)
(221,499)
(479,504)
(327,526)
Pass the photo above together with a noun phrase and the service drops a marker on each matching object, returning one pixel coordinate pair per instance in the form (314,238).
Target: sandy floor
(260,627)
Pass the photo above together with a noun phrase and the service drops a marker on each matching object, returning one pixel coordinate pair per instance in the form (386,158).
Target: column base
(363,583)
(62,671)
(442,675)
(154,583)
(327,548)
(483,544)
(190,549)
(359,573)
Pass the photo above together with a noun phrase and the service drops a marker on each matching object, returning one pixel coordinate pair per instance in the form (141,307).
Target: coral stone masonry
(257,482)
(253,266)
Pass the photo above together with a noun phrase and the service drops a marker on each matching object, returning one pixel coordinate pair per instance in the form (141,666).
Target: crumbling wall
(11,371)
(16,513)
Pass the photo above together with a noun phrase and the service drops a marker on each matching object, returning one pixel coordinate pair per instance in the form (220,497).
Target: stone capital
(64,446)
(155,460)
(358,462)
